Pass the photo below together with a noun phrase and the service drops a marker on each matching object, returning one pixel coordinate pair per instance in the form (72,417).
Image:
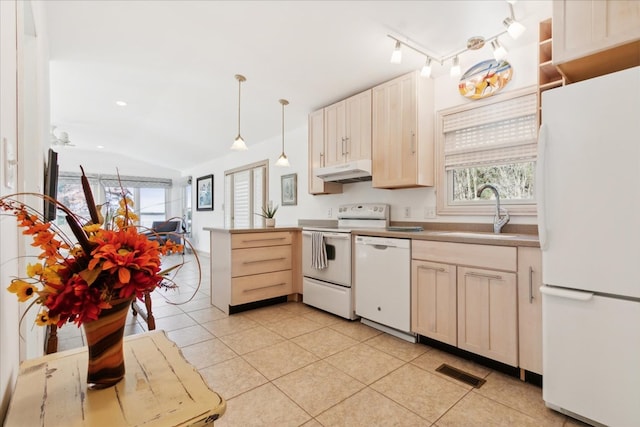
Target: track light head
(514,28)
(426,68)
(499,52)
(396,55)
(455,68)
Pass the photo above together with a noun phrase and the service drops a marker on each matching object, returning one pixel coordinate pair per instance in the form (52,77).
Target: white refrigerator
(588,191)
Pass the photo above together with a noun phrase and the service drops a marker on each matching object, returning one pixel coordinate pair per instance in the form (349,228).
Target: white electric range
(331,288)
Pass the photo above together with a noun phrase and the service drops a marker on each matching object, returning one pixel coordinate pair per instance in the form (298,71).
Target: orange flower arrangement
(75,281)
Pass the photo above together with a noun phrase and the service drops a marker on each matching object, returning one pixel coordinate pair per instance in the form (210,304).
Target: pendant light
(238,143)
(282,160)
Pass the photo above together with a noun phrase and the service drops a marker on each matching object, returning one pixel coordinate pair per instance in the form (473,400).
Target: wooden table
(160,388)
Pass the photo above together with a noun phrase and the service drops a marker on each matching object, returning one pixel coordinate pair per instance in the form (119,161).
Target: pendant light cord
(283,102)
(239,85)
(240,79)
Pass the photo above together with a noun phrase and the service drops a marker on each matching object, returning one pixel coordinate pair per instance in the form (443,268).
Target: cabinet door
(358,124)
(316,156)
(530,309)
(394,143)
(433,301)
(335,133)
(487,314)
(583,28)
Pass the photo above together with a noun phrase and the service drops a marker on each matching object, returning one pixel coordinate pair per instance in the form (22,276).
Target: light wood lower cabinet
(250,267)
(433,301)
(466,295)
(530,309)
(488,314)
(264,286)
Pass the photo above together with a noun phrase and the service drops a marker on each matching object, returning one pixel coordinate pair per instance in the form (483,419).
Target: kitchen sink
(471,235)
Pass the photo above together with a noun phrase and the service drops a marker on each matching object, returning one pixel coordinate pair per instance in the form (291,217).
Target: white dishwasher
(383,284)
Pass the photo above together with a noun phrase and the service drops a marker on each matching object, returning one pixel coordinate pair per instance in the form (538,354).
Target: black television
(50,185)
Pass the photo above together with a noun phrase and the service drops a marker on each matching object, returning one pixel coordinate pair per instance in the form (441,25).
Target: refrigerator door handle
(540,186)
(566,293)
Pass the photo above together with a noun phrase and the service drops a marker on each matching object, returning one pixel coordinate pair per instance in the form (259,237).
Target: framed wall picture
(204,193)
(289,189)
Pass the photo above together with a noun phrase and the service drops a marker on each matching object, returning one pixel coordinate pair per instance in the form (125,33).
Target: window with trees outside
(149,195)
(494,142)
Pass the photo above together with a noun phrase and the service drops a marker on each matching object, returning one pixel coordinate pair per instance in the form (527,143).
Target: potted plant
(269,213)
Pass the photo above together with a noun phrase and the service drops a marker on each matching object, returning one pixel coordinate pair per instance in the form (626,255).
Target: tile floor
(293,365)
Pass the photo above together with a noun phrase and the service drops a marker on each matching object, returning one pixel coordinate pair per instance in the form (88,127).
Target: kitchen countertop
(481,238)
(442,235)
(254,229)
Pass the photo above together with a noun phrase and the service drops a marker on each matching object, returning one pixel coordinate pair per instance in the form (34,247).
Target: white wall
(9,354)
(523,61)
(24,122)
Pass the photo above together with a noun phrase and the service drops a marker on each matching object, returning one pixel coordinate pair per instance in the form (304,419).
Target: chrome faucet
(498,221)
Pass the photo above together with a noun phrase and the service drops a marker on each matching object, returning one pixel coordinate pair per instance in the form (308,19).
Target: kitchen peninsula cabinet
(347,129)
(402,135)
(482,309)
(530,309)
(253,265)
(595,37)
(317,156)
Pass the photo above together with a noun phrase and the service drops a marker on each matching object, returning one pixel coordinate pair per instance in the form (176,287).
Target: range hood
(357,170)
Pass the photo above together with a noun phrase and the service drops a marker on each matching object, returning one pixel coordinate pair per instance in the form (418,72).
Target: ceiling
(174,62)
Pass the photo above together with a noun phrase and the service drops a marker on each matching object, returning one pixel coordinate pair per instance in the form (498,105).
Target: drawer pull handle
(484,276)
(263,240)
(424,267)
(264,260)
(264,287)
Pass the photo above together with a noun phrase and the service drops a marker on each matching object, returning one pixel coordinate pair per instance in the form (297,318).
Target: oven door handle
(343,236)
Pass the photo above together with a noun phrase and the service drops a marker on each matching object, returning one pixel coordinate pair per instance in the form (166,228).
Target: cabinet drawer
(494,257)
(255,240)
(260,286)
(260,260)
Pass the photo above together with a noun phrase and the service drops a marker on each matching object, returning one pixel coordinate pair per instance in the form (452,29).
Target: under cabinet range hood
(357,170)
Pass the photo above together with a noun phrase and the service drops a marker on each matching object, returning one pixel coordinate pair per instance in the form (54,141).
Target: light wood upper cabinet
(530,309)
(433,301)
(488,314)
(402,147)
(317,156)
(347,129)
(595,37)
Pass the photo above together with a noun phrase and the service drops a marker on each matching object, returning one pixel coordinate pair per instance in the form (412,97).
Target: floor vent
(460,375)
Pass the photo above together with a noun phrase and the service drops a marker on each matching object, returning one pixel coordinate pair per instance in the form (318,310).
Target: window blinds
(499,133)
(113,181)
(245,193)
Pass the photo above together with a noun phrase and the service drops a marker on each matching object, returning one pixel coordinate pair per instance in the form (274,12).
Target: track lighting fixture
(499,52)
(396,55)
(513,28)
(283,161)
(238,143)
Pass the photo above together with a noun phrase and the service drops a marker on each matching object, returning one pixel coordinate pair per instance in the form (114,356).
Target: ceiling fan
(60,138)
